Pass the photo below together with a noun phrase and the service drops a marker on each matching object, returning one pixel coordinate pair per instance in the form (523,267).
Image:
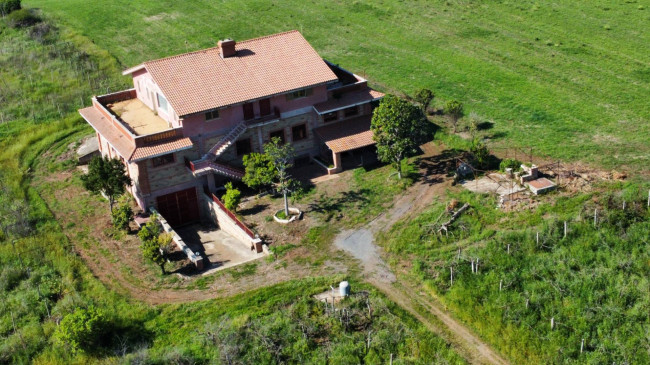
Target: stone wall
(228,225)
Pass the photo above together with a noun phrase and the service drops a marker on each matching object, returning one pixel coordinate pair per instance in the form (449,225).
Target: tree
(399,127)
(424,97)
(122,214)
(454,109)
(7,6)
(151,243)
(106,176)
(281,154)
(232,197)
(260,170)
(81,329)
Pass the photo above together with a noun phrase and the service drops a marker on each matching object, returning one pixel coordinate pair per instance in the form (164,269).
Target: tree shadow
(436,168)
(329,206)
(258,208)
(483,126)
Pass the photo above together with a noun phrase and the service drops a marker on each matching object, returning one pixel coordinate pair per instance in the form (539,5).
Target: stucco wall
(143,82)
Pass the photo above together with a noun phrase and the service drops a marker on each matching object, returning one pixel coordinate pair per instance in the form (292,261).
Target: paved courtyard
(219,248)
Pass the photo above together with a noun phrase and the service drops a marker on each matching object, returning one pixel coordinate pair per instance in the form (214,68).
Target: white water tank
(344,288)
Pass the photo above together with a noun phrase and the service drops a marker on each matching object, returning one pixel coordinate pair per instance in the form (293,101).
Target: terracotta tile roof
(102,125)
(348,100)
(125,147)
(203,80)
(162,148)
(347,135)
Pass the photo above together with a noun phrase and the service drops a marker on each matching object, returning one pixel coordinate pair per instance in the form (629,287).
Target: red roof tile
(162,148)
(348,100)
(347,135)
(103,126)
(203,80)
(125,147)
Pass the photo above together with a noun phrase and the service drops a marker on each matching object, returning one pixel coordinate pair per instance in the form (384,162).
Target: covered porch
(346,144)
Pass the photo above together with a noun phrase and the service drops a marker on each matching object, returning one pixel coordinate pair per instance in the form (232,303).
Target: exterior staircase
(207,163)
(204,167)
(225,142)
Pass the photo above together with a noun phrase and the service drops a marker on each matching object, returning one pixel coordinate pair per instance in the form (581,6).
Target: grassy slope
(40,85)
(550,75)
(593,282)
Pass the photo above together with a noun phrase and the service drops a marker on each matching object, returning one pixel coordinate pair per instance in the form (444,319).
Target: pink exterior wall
(143,82)
(195,125)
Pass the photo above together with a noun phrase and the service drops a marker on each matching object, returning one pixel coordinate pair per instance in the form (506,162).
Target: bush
(511,163)
(122,214)
(22,18)
(7,6)
(82,329)
(232,197)
(480,152)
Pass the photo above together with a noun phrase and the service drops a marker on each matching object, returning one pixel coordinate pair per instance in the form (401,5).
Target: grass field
(570,78)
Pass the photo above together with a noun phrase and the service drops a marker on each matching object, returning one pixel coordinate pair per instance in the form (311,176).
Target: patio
(219,249)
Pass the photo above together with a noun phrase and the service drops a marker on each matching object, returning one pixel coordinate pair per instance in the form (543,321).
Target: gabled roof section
(203,80)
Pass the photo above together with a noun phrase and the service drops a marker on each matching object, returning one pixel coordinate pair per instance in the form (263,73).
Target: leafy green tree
(480,152)
(232,197)
(281,154)
(454,109)
(423,98)
(122,214)
(152,245)
(260,170)
(106,176)
(399,127)
(82,329)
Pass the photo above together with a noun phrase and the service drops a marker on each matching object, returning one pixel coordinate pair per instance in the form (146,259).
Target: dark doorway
(248,111)
(179,208)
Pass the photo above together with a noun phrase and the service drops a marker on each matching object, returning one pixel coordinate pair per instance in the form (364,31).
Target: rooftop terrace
(138,117)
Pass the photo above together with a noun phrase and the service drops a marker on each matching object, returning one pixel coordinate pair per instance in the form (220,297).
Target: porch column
(338,166)
(211,184)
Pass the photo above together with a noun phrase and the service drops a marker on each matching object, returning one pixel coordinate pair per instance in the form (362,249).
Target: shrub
(232,197)
(22,18)
(480,152)
(81,329)
(7,6)
(512,163)
(151,230)
(122,214)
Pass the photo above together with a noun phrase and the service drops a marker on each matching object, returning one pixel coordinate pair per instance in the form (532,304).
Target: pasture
(569,78)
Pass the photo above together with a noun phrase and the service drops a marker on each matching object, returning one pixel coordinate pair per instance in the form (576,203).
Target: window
(248,111)
(278,134)
(299,132)
(265,107)
(211,115)
(162,102)
(353,110)
(243,147)
(163,160)
(330,117)
(299,94)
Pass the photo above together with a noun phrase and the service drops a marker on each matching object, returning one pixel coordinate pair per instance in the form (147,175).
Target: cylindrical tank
(344,288)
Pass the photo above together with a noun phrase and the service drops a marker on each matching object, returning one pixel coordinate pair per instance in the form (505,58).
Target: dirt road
(360,244)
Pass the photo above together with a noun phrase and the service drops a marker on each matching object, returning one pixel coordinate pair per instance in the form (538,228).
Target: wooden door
(179,208)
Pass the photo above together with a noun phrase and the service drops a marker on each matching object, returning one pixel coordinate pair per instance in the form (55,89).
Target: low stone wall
(230,225)
(197,260)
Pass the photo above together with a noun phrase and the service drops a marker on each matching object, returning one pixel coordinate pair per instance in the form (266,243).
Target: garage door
(179,208)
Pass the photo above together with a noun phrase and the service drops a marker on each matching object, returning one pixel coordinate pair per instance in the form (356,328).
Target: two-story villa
(190,118)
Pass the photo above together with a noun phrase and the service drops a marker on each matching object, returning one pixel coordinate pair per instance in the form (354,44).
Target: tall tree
(454,109)
(260,170)
(424,97)
(281,154)
(106,176)
(399,127)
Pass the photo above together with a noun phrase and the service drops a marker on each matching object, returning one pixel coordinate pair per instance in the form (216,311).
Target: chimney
(226,48)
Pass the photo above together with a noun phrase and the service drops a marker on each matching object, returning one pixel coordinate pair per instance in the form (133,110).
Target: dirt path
(360,244)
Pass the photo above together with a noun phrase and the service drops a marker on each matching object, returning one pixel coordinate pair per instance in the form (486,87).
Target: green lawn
(569,78)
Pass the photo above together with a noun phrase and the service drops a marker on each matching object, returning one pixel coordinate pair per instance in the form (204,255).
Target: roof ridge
(212,48)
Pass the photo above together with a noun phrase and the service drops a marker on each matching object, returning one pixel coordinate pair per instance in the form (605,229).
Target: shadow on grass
(258,208)
(435,168)
(329,206)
